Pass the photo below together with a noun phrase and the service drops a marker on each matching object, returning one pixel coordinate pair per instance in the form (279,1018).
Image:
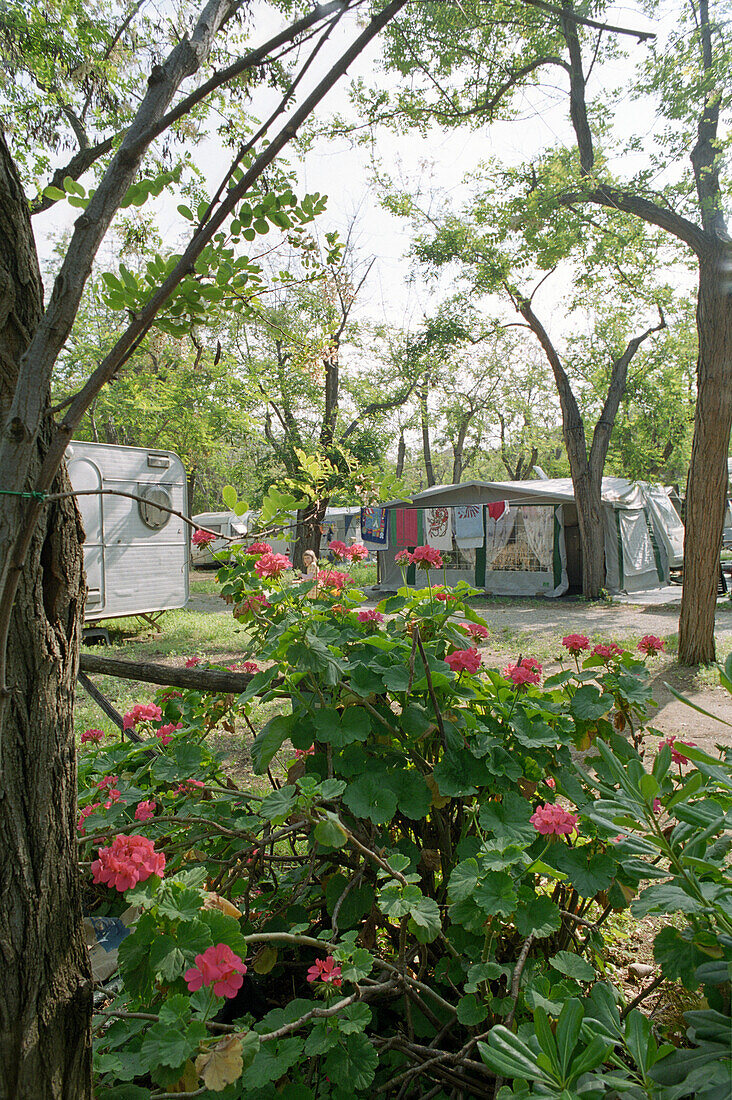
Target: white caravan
(135,554)
(237,528)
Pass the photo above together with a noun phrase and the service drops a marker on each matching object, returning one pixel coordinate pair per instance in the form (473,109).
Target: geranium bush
(419,888)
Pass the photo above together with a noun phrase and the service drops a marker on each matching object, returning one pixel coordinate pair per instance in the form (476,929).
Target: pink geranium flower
(202,538)
(95,736)
(128,860)
(370,615)
(258,548)
(657,807)
(142,712)
(575,643)
(357,552)
(550,818)
(300,754)
(272,565)
(339,550)
(550,782)
(144,811)
(651,645)
(165,732)
(475,630)
(426,557)
(607,652)
(331,578)
(192,662)
(527,671)
(191,786)
(107,781)
(217,966)
(84,814)
(403,557)
(325,970)
(112,796)
(443,597)
(676,756)
(464,659)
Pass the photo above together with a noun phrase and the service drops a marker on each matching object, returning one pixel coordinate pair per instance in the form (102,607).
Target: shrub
(424,888)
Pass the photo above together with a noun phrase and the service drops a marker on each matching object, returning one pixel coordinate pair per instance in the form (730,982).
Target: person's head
(309,558)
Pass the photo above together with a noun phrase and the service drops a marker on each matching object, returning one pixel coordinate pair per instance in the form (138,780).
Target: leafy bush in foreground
(417,909)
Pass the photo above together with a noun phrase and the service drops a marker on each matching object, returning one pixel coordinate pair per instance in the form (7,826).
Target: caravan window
(151,515)
(522,540)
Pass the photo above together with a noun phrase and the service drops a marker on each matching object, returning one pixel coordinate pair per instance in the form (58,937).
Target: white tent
(533,548)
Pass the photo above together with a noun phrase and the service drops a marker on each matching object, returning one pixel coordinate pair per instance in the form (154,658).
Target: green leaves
(368,797)
(573,966)
(507,818)
(339,730)
(589,703)
(270,740)
(538,917)
(496,894)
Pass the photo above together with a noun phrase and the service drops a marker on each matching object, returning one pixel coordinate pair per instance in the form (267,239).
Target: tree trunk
(426,447)
(401,455)
(707,481)
(46,992)
(308,534)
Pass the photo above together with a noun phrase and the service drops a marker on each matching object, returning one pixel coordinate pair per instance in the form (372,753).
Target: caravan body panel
(135,555)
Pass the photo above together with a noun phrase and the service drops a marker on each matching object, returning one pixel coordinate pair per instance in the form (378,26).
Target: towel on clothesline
(407,527)
(375,527)
(497,508)
(468,519)
(438,528)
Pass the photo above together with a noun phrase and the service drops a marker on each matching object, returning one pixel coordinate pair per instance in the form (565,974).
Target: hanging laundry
(497,508)
(407,527)
(468,519)
(374,527)
(438,528)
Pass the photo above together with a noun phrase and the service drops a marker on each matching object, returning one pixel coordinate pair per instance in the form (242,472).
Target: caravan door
(86,475)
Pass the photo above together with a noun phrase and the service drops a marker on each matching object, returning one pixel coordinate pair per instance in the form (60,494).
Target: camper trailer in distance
(135,554)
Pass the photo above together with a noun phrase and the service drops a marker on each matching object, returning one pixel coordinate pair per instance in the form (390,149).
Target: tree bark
(707,480)
(401,455)
(46,993)
(308,533)
(426,447)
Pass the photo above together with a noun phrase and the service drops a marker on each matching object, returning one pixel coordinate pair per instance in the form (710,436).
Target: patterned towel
(375,527)
(468,519)
(497,508)
(407,527)
(438,528)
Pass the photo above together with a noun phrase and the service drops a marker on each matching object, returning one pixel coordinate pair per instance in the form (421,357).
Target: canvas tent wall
(135,554)
(535,549)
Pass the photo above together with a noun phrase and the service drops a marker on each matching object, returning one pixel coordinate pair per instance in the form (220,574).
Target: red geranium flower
(467,659)
(607,652)
(144,811)
(651,645)
(475,630)
(676,756)
(370,615)
(527,671)
(403,557)
(128,860)
(553,819)
(95,736)
(339,550)
(325,970)
(426,557)
(202,538)
(575,643)
(259,548)
(272,565)
(357,552)
(217,966)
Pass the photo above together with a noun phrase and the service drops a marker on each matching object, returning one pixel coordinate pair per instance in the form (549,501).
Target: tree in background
(323,387)
(465,70)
